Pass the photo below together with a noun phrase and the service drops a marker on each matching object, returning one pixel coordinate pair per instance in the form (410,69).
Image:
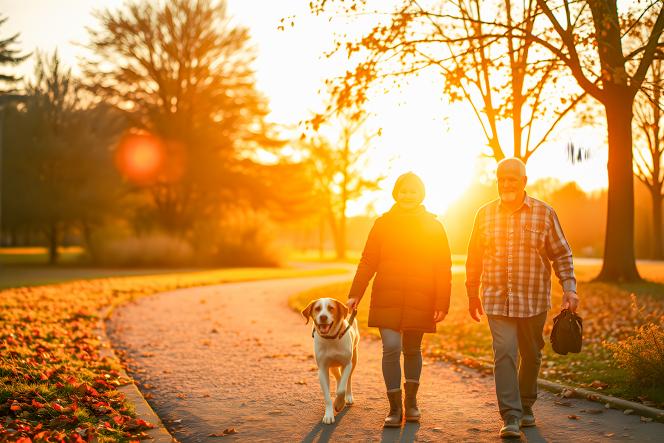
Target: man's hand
(475,308)
(570,301)
(438,316)
(352,303)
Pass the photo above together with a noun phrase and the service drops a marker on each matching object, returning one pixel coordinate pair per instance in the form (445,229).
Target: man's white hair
(512,163)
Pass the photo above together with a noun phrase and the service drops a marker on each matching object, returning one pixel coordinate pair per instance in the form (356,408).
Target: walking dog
(335,347)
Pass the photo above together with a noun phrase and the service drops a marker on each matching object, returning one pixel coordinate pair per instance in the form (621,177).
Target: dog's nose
(323,318)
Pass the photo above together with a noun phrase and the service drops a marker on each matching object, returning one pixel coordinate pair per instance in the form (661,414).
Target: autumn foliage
(55,386)
(642,354)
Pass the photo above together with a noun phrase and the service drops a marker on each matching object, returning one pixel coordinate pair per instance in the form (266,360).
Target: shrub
(146,251)
(642,354)
(240,239)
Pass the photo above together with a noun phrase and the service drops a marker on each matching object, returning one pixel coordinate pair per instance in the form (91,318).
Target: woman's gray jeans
(394,342)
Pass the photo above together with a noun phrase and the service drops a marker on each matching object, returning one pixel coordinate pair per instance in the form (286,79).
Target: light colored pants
(393,343)
(515,337)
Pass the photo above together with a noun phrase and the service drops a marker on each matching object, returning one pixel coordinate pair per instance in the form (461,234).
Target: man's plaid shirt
(511,255)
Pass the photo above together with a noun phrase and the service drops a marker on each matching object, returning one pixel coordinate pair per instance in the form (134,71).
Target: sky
(421,131)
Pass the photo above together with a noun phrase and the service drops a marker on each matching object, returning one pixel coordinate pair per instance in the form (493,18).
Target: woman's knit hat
(412,179)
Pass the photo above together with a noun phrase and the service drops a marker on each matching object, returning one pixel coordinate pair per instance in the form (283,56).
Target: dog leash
(351,319)
(350,323)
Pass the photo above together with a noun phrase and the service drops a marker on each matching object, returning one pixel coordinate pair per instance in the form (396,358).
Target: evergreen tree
(9,56)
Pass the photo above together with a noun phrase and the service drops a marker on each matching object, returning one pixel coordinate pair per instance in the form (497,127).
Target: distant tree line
(163,132)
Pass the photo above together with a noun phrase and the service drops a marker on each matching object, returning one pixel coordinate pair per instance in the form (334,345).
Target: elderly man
(515,241)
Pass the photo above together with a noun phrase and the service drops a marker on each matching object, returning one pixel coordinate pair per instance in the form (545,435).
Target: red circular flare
(140,158)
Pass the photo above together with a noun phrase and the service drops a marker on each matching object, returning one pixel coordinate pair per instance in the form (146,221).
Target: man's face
(511,183)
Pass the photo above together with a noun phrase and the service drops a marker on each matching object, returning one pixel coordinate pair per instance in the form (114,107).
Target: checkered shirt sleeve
(511,255)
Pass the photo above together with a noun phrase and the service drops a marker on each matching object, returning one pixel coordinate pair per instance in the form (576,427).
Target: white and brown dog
(334,352)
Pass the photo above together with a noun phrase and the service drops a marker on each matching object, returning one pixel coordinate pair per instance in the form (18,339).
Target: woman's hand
(438,316)
(352,303)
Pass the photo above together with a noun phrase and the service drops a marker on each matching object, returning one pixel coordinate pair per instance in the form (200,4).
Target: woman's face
(408,196)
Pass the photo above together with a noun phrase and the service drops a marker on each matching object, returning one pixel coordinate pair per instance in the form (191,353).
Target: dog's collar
(340,333)
(329,337)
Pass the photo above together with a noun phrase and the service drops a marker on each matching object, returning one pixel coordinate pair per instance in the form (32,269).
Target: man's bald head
(511,166)
(511,176)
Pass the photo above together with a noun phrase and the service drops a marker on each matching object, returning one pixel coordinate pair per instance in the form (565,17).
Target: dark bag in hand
(567,332)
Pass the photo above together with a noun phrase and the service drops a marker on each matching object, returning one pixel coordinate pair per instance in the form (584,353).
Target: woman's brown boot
(410,402)
(395,416)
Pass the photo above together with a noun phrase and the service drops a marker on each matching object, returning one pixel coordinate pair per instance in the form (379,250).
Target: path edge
(157,434)
(557,388)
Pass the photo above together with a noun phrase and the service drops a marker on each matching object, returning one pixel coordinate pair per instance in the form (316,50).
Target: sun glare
(139,158)
(424,134)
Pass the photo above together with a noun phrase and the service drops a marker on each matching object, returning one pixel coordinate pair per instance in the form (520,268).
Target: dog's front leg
(324,378)
(340,400)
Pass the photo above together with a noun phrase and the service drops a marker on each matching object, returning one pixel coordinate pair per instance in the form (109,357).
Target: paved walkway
(235,356)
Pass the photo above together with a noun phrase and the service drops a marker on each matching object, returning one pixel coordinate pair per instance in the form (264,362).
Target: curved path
(235,356)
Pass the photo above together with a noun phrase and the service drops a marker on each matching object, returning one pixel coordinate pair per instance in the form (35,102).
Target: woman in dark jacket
(407,250)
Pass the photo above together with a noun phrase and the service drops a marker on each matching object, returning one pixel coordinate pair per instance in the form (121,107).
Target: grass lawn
(29,267)
(13,276)
(38,255)
(610,313)
(54,386)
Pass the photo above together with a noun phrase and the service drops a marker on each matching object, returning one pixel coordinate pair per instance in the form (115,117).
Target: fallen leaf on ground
(592,411)
(573,417)
(563,403)
(568,393)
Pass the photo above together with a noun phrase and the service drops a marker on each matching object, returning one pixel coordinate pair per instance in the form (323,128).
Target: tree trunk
(321,237)
(340,238)
(341,241)
(619,261)
(335,230)
(89,243)
(657,225)
(53,244)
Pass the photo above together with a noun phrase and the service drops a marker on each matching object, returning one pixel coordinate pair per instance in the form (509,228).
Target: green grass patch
(611,313)
(38,256)
(12,276)
(54,384)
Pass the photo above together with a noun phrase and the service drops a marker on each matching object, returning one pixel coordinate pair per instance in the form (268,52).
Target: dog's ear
(343,309)
(306,312)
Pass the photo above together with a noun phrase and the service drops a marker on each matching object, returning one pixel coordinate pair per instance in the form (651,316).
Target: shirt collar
(527,202)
